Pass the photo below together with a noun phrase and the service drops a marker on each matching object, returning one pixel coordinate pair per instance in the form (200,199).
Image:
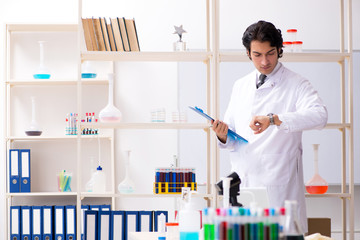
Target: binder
(105,207)
(91,225)
(104,222)
(82,221)
(131,222)
(156,217)
(117,225)
(146,221)
(48,222)
(15,222)
(26,222)
(70,222)
(37,222)
(25,184)
(59,225)
(14,169)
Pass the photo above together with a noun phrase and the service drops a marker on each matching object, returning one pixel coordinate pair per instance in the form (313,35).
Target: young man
(270,107)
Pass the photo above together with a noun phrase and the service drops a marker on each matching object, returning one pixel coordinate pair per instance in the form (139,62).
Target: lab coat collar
(271,78)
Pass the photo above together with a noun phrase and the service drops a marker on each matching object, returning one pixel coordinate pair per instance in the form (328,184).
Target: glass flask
(127,185)
(316,185)
(42,72)
(87,70)
(292,227)
(34,129)
(110,113)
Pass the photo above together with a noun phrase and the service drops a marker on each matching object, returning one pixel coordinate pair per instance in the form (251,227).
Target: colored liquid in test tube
(230,225)
(209,226)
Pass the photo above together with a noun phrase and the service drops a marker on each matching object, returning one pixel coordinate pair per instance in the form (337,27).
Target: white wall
(156,33)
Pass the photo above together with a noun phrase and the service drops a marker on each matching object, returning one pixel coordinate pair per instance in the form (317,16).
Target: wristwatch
(271,118)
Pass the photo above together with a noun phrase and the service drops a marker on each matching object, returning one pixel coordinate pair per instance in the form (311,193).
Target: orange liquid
(316,189)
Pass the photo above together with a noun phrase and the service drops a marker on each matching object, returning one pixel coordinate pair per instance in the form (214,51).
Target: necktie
(261,80)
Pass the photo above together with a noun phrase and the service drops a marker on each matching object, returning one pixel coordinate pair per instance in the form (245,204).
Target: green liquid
(209,232)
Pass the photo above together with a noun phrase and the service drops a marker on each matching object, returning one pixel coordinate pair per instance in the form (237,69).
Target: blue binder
(131,222)
(104,207)
(15,222)
(59,222)
(14,170)
(104,223)
(25,183)
(37,222)
(91,225)
(26,226)
(156,216)
(70,222)
(117,226)
(146,221)
(82,221)
(48,222)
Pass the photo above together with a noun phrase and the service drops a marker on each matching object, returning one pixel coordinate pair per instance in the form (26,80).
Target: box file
(59,225)
(82,221)
(131,222)
(25,183)
(15,222)
(70,222)
(14,170)
(91,225)
(146,221)
(48,222)
(26,222)
(104,222)
(117,229)
(37,222)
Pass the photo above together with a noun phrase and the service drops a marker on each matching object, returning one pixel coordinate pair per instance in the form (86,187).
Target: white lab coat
(273,158)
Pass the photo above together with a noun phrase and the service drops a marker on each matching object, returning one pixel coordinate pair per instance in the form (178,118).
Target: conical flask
(127,185)
(316,185)
(110,113)
(34,128)
(42,72)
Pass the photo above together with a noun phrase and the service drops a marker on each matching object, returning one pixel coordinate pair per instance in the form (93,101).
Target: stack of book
(110,34)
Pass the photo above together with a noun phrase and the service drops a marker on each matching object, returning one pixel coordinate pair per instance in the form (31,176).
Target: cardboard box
(319,225)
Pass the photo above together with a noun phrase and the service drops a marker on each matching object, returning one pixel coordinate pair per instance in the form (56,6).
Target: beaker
(127,185)
(316,185)
(34,128)
(42,72)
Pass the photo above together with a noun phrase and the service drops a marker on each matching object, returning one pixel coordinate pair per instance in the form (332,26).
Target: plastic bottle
(99,181)
(292,228)
(189,218)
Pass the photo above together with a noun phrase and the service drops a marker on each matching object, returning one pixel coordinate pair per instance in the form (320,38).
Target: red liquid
(316,189)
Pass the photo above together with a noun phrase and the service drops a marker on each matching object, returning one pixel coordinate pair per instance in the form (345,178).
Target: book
(117,35)
(98,34)
(132,35)
(124,34)
(105,33)
(111,36)
(89,35)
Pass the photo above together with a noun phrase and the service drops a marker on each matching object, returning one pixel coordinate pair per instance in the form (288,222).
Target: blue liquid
(88,75)
(189,235)
(41,76)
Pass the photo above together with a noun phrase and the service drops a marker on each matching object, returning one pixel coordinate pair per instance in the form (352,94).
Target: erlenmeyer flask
(316,185)
(126,186)
(34,128)
(110,113)
(42,72)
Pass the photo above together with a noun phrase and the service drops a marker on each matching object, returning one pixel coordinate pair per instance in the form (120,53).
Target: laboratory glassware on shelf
(34,129)
(42,72)
(127,185)
(316,185)
(110,113)
(88,70)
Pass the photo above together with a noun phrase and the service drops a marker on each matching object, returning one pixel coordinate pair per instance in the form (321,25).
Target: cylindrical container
(297,46)
(189,224)
(288,46)
(99,181)
(172,231)
(291,35)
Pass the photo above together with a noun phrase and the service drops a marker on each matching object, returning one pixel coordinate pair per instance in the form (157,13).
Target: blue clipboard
(230,132)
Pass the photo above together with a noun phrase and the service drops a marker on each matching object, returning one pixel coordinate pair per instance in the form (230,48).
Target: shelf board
(51,82)
(149,125)
(45,138)
(41,194)
(337,125)
(240,56)
(19,27)
(328,195)
(134,195)
(187,56)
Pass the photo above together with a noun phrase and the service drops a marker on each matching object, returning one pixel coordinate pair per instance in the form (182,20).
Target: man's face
(264,56)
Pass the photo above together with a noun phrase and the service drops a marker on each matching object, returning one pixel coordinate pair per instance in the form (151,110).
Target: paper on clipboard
(230,132)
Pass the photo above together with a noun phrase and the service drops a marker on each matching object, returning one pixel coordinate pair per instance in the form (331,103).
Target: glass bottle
(42,72)
(110,113)
(127,185)
(316,185)
(292,228)
(34,128)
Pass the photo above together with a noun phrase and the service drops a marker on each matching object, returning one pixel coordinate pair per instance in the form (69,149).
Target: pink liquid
(316,189)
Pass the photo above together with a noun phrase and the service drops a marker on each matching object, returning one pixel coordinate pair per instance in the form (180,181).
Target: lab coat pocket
(275,169)
(276,107)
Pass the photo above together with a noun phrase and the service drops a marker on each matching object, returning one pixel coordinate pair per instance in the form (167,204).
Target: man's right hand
(221,130)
